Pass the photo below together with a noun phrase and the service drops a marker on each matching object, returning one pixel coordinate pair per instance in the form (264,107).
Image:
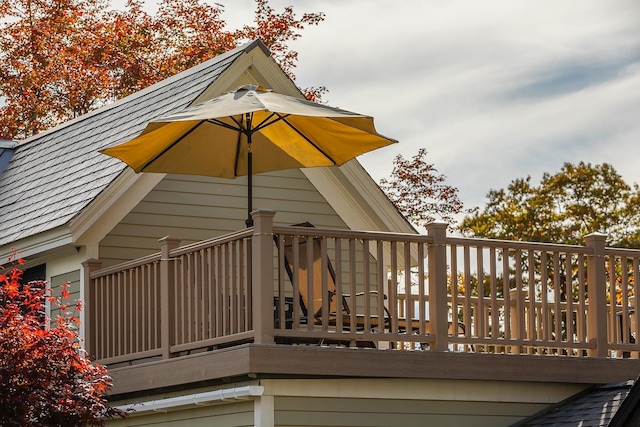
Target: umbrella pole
(249,221)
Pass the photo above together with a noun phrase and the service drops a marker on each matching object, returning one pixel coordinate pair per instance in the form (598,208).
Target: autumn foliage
(420,193)
(45,377)
(63,58)
(564,207)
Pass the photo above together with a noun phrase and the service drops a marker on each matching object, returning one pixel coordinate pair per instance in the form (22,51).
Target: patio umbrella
(249,130)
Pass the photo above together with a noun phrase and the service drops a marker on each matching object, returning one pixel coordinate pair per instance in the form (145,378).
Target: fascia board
(111,206)
(37,245)
(366,186)
(243,70)
(369,210)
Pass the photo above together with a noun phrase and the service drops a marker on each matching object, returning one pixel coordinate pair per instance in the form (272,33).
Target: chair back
(305,269)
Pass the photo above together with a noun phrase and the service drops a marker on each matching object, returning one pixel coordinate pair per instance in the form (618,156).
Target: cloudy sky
(494,90)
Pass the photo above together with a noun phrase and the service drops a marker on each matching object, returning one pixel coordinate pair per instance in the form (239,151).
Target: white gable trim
(252,67)
(357,199)
(111,206)
(37,245)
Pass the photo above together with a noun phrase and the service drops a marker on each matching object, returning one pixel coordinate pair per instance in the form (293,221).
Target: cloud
(494,90)
(574,76)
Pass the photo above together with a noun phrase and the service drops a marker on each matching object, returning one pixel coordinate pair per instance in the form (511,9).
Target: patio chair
(338,305)
(627,336)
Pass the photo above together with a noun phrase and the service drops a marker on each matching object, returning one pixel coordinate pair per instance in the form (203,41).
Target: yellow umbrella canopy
(246,131)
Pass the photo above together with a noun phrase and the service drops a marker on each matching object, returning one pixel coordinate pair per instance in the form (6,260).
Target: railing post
(516,317)
(88,267)
(437,266)
(262,275)
(167,295)
(597,294)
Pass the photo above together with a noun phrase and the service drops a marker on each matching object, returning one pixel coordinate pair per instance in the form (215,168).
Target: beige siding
(411,402)
(306,411)
(73,279)
(228,415)
(194,208)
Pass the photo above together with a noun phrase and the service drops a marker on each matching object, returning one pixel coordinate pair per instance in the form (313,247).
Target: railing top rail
(514,244)
(127,265)
(355,234)
(219,240)
(460,241)
(631,253)
(365,235)
(155,257)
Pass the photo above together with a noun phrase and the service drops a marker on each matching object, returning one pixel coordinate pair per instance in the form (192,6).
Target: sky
(494,90)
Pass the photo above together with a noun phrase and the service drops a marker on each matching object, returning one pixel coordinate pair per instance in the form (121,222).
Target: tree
(45,377)
(563,208)
(420,193)
(62,58)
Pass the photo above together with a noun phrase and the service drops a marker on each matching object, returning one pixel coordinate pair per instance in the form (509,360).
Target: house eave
(106,210)
(357,199)
(36,247)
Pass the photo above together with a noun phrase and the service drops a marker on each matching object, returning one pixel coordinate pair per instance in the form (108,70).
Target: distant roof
(52,176)
(609,405)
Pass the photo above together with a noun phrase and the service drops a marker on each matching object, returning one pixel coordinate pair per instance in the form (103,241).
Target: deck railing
(365,289)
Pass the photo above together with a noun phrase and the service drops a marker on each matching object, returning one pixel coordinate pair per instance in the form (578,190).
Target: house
(199,323)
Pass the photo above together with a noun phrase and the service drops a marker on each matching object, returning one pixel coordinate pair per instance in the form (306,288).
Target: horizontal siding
(265,186)
(409,402)
(73,279)
(228,415)
(194,208)
(317,411)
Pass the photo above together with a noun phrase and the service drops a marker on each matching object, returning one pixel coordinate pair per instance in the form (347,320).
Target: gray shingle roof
(594,407)
(52,176)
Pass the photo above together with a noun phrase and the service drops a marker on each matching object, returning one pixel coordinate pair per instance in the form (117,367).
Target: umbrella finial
(249,87)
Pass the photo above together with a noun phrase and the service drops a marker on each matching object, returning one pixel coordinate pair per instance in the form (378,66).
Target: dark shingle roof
(52,176)
(594,407)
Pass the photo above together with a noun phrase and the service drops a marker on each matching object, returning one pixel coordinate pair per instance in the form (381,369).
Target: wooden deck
(413,306)
(251,361)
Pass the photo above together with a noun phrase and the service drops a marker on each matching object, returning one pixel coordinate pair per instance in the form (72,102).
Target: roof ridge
(247,47)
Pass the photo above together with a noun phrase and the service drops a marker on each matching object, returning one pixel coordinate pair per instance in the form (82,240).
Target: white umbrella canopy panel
(249,131)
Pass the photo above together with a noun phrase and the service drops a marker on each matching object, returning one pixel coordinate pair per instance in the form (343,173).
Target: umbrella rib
(170,146)
(240,129)
(283,118)
(266,122)
(226,125)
